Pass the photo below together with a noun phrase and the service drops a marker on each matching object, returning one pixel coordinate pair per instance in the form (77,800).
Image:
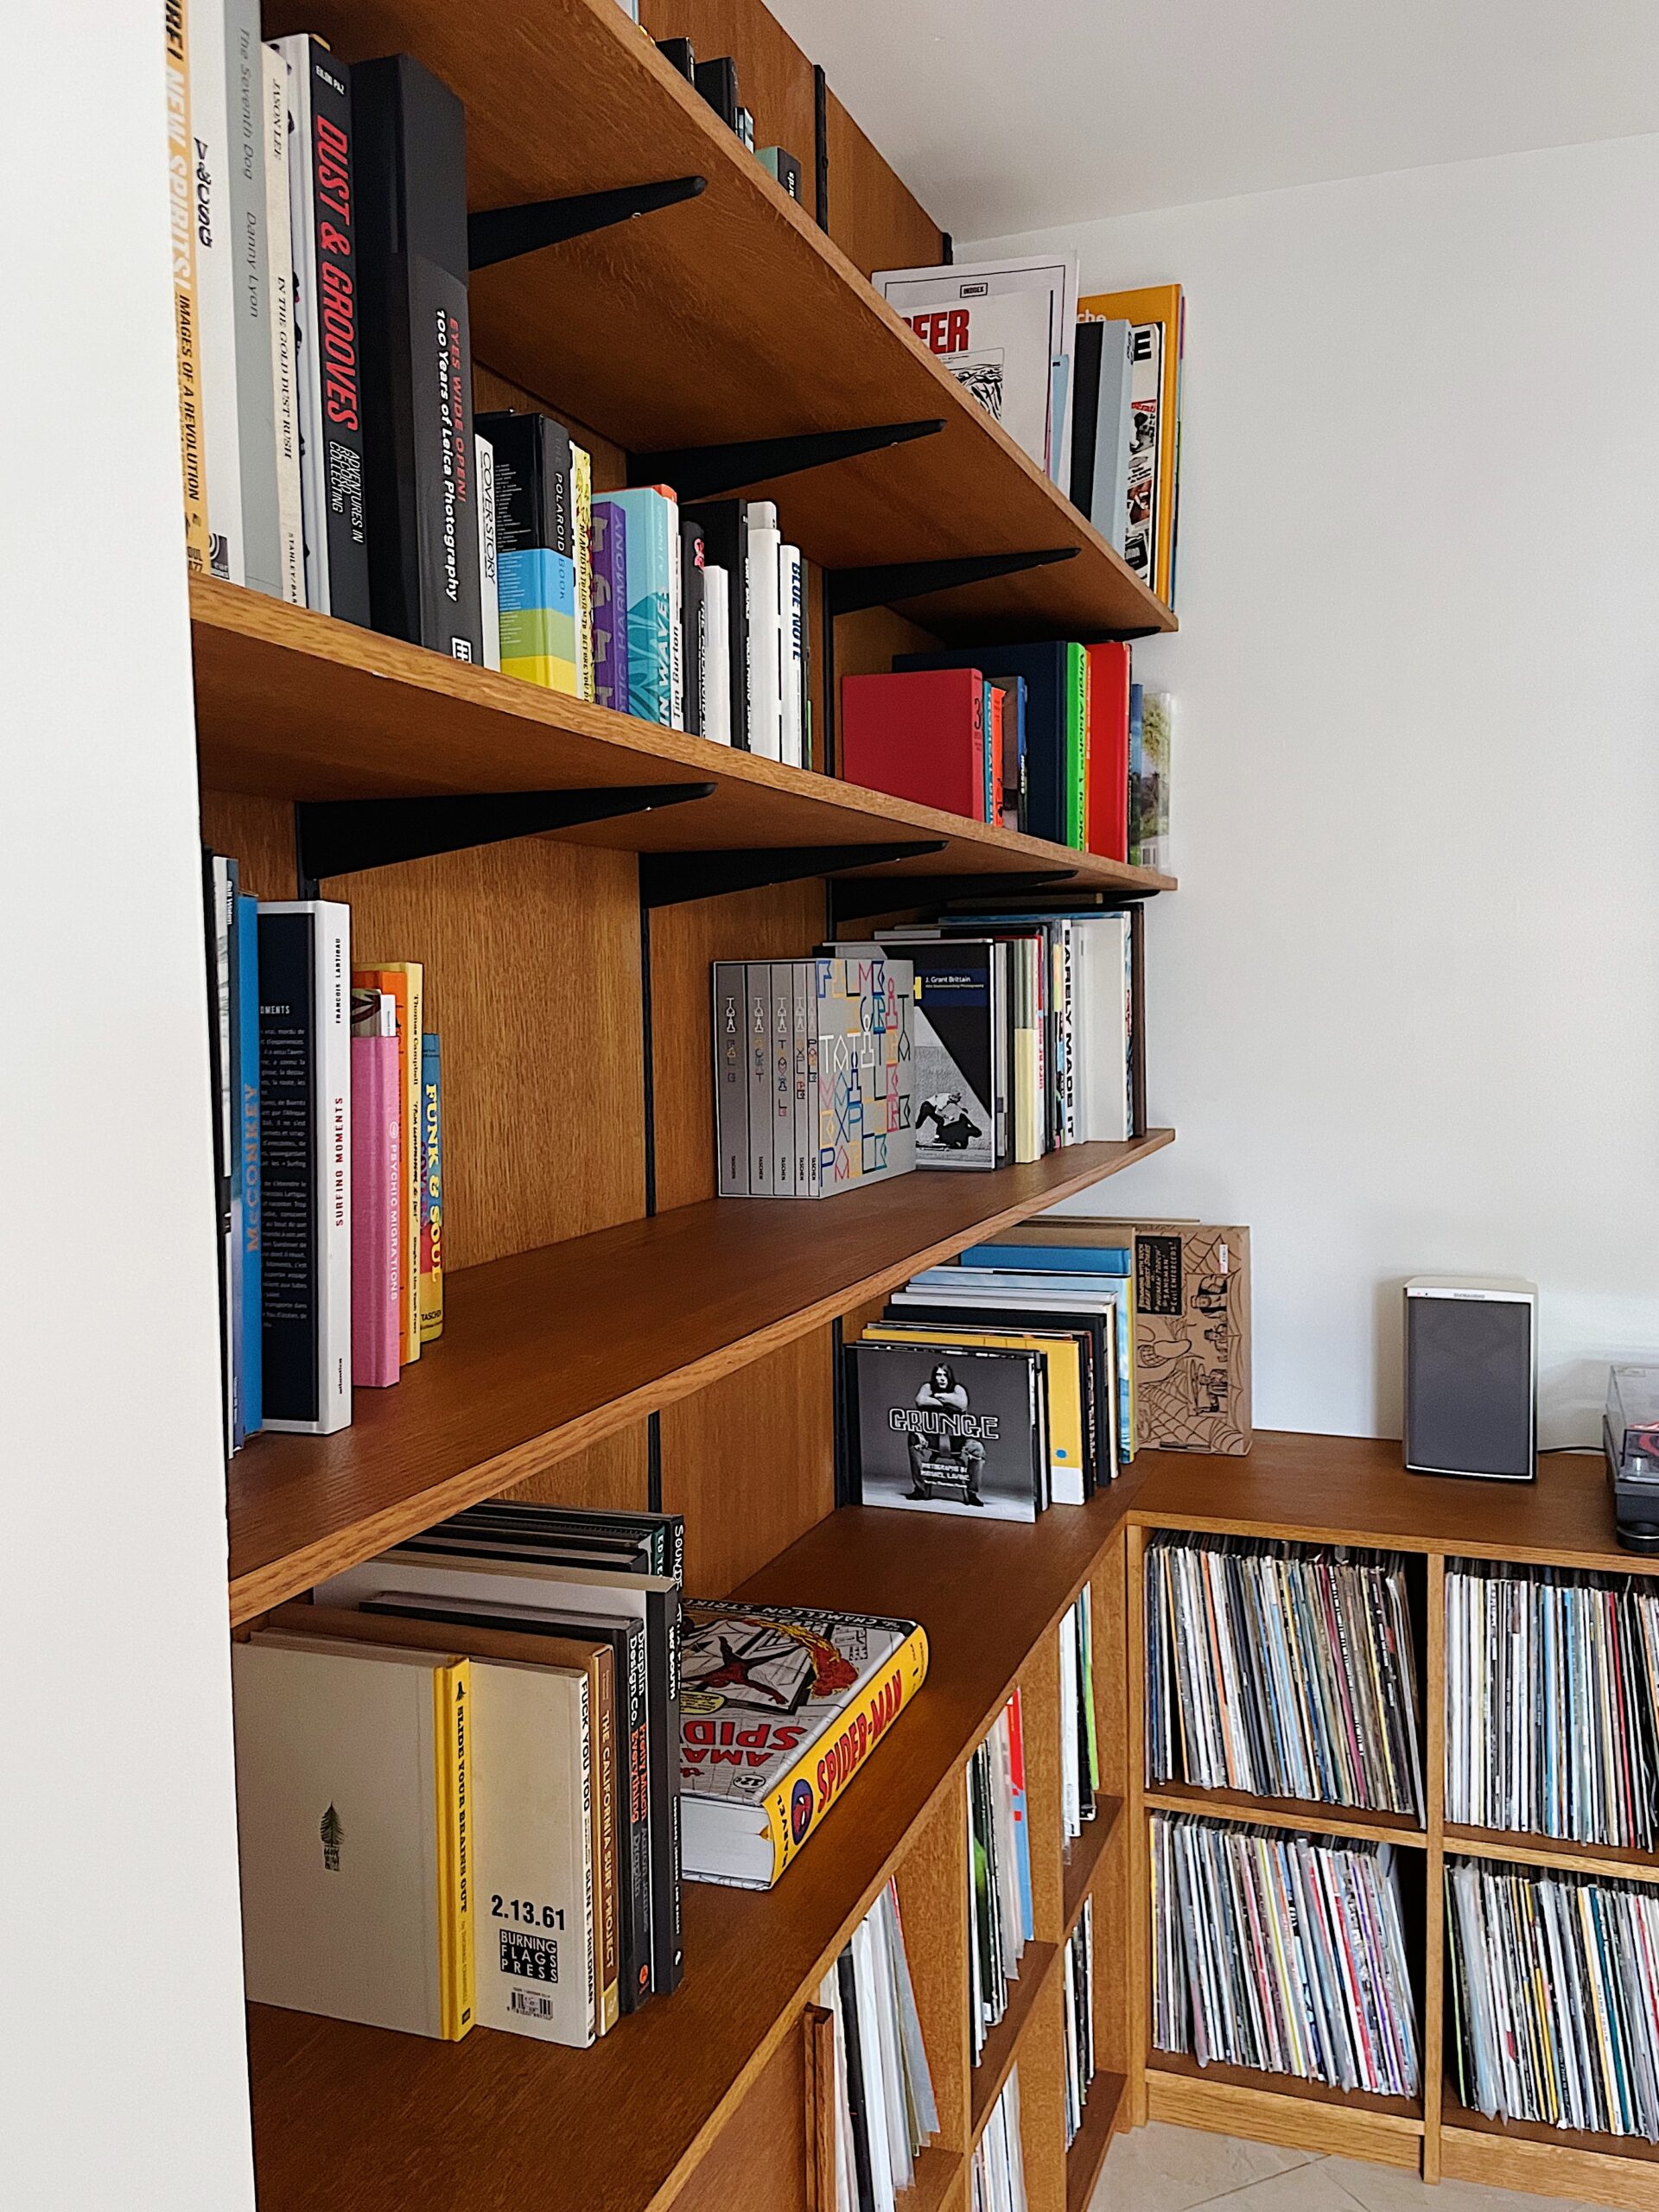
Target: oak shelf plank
(1001,2051)
(549,1350)
(1618,1862)
(1077,1879)
(730,317)
(388,2123)
(1280,1812)
(291,704)
(936,2174)
(1458,2114)
(1101,2110)
(1354,1490)
(1404,2114)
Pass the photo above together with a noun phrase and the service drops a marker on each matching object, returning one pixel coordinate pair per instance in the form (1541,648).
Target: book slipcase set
(328,1156)
(331,453)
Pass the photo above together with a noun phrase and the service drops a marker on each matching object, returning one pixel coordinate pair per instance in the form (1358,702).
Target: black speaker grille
(1469,1386)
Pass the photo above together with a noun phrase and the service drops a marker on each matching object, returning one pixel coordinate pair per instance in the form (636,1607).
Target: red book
(995,701)
(1107,822)
(918,734)
(377,1190)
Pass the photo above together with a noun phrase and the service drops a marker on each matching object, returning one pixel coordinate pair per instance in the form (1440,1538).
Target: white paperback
(765,631)
(279,262)
(297,51)
(489,582)
(716,660)
(1103,994)
(942,306)
(210,188)
(244,88)
(793,641)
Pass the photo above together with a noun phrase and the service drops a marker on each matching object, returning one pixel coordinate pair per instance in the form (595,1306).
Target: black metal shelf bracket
(339,836)
(505,233)
(855,897)
(672,879)
(848,591)
(710,471)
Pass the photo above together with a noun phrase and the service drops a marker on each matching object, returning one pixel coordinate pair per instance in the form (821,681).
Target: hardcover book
(654,614)
(956,1431)
(432,1287)
(216,282)
(609,528)
(489,573)
(305,1091)
(377,1190)
(409,157)
(725,527)
(250,1377)
(694,623)
(181,234)
(1155,317)
(403,980)
(1109,750)
(582,477)
(866,1129)
(327,339)
(779,1708)
(1053,675)
(766,630)
(958,1026)
(1072,1444)
(536,543)
(716,657)
(245,107)
(918,734)
(1103,425)
(998,347)
(284,367)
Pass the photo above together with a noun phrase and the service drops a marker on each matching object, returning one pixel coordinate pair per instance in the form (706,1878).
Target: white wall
(1402,1010)
(123,2075)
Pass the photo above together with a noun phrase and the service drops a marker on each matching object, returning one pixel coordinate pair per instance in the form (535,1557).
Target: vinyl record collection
(1554,1995)
(1283,1670)
(1000,1923)
(1552,1703)
(999,2170)
(1079,1743)
(1281,1952)
(1079,2018)
(885,2110)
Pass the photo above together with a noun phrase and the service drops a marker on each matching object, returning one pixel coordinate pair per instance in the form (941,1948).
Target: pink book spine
(376,1208)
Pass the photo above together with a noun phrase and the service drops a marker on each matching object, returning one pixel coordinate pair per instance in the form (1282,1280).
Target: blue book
(1137,756)
(652,527)
(1050,1259)
(251,1394)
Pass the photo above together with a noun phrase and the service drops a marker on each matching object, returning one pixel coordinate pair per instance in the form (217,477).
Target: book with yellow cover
(780,1705)
(1154,315)
(354,1814)
(1068,1438)
(403,982)
(182,223)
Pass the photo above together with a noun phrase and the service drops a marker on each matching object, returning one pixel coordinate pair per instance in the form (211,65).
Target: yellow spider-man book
(780,1705)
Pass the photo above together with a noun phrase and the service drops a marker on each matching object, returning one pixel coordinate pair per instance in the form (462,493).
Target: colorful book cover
(536,544)
(1021,1816)
(377,1190)
(1109,750)
(1156,339)
(1077,746)
(431,1283)
(1137,823)
(180,172)
(653,525)
(1050,681)
(609,576)
(865,1070)
(919,735)
(403,980)
(950,1429)
(1157,719)
(251,1391)
(582,477)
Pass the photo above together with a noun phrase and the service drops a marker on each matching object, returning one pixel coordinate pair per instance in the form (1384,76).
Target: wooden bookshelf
(1082,1868)
(730,317)
(547,1352)
(1349,1490)
(1101,2114)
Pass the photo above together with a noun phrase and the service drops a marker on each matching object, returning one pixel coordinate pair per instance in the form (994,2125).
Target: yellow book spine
(798,1803)
(581,471)
(452,1698)
(181,192)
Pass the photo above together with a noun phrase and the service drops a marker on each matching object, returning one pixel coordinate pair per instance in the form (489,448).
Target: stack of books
(885,2111)
(1030,1031)
(1000,1923)
(1056,740)
(1283,1671)
(1552,1703)
(1079,1742)
(1079,2018)
(485,1714)
(998,2162)
(331,456)
(813,1074)
(329,1161)
(1554,1997)
(1285,1954)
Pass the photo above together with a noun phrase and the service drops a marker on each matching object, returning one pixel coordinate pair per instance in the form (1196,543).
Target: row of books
(1282,1670)
(1079,1732)
(883,2107)
(331,456)
(1552,1703)
(1079,1999)
(1554,1989)
(1054,739)
(1090,388)
(329,1160)
(717,81)
(509,1685)
(998,2167)
(1282,1953)
(1000,1923)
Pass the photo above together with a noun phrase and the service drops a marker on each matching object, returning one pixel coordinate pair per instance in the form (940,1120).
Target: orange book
(402,981)
(1157,331)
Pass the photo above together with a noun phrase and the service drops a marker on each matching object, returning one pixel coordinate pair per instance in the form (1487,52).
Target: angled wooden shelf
(1102,2110)
(936,2174)
(1280,2109)
(1552,1853)
(294,705)
(1001,2051)
(551,1350)
(1524,2154)
(1285,1812)
(730,317)
(390,2123)
(1078,1871)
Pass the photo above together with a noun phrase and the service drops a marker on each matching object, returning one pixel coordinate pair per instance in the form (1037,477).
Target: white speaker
(1471,1378)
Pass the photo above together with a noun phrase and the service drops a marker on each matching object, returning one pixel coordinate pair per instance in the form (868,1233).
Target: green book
(1076,745)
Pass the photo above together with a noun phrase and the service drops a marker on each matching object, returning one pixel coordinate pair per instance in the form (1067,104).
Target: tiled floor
(1159,2169)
